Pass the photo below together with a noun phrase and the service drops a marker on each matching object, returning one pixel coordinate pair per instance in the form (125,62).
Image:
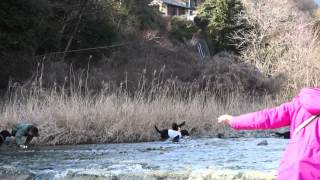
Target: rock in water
(263,143)
(10,172)
(220,135)
(285,135)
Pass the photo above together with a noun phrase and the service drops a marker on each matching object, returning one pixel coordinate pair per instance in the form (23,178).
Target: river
(203,158)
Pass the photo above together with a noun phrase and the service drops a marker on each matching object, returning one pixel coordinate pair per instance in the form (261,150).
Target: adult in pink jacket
(301,159)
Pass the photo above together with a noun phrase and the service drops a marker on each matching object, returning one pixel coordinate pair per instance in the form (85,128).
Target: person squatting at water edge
(301,160)
(24,130)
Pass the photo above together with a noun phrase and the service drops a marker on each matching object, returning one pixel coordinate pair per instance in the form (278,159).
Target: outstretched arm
(266,119)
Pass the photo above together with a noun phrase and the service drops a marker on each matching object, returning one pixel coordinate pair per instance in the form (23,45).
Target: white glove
(226,119)
(23,146)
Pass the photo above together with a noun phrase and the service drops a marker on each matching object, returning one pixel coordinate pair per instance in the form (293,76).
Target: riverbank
(118,117)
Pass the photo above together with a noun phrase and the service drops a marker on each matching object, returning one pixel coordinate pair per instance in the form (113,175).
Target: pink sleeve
(266,119)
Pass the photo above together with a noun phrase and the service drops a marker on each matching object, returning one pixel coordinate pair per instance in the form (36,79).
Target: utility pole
(189,13)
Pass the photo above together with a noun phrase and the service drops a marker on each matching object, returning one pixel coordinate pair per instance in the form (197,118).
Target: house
(177,7)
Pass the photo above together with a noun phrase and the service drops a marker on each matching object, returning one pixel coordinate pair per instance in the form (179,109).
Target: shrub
(284,42)
(182,29)
(141,14)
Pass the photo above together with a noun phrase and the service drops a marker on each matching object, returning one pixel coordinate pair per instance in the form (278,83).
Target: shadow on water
(191,157)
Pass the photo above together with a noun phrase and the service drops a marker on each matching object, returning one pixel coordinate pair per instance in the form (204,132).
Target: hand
(23,146)
(226,119)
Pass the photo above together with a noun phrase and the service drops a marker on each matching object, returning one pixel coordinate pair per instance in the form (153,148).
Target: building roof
(178,3)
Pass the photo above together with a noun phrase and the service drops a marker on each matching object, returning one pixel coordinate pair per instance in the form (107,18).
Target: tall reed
(72,115)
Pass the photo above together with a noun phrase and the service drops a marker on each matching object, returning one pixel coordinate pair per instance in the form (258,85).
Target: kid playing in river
(24,130)
(301,159)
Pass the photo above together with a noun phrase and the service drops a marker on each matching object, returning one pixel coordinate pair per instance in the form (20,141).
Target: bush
(141,14)
(284,42)
(182,29)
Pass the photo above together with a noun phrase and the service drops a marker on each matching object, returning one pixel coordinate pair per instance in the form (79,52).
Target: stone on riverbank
(263,143)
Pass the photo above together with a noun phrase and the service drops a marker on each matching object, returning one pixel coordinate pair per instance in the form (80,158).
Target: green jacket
(20,131)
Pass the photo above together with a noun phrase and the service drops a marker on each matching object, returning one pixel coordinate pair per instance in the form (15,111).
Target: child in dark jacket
(24,130)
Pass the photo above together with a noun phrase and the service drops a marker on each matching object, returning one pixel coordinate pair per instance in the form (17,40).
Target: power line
(87,49)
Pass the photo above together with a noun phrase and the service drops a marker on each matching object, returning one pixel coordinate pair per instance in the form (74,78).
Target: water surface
(146,160)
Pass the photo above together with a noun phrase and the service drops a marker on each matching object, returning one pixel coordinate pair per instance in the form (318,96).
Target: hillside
(113,44)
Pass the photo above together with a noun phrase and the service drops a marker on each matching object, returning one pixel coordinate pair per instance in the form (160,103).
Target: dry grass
(283,42)
(75,117)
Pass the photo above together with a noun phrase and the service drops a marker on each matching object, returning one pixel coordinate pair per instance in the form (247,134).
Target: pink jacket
(301,159)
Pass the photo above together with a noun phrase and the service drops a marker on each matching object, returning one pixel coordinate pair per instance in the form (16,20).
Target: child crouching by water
(26,130)
(301,159)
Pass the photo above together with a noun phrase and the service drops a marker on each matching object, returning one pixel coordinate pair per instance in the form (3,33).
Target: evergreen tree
(220,19)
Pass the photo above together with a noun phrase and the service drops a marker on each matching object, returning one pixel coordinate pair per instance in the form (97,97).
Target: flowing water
(205,158)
